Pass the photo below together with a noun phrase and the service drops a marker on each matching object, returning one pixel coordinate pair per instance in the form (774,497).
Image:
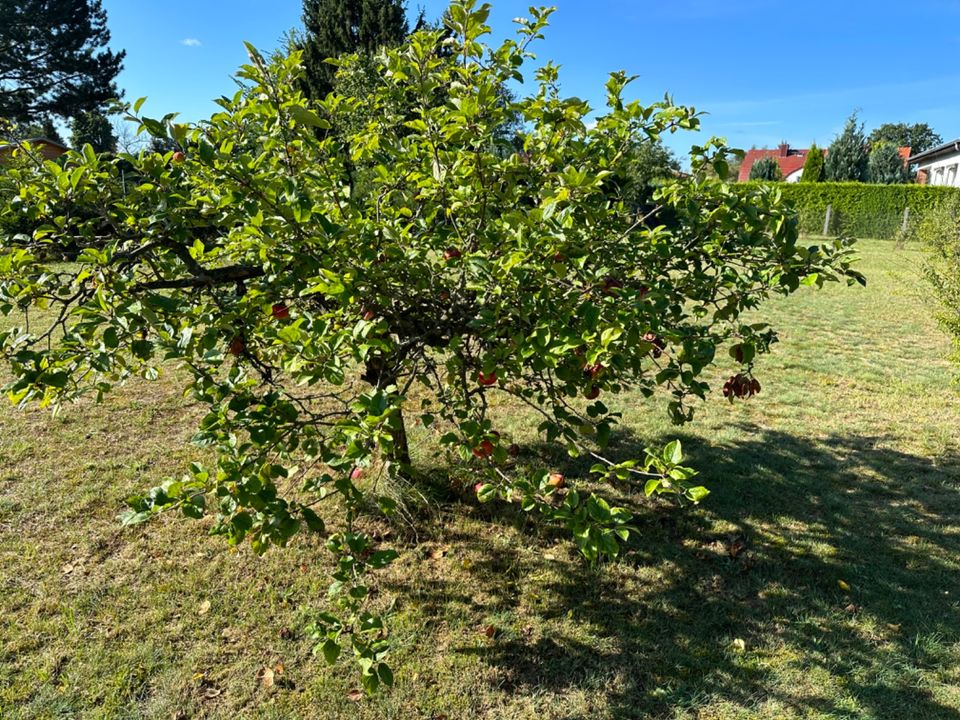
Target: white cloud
(191,42)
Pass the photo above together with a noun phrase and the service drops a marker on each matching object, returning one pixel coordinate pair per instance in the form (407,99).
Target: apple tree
(321,283)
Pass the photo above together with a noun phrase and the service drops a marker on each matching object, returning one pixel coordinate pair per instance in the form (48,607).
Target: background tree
(93,128)
(847,159)
(54,59)
(311,322)
(918,136)
(886,166)
(648,162)
(126,138)
(342,27)
(813,165)
(766,168)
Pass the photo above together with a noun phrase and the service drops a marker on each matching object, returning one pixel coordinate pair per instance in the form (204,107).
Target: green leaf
(673,453)
(385,674)
(696,494)
(308,117)
(486,493)
(331,651)
(314,522)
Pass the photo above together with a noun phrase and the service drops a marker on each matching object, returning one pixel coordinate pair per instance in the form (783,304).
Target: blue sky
(764,70)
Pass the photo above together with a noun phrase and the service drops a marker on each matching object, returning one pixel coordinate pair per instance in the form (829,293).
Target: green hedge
(862,210)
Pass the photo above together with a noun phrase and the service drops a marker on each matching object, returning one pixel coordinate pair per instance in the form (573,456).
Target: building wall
(49,152)
(944,170)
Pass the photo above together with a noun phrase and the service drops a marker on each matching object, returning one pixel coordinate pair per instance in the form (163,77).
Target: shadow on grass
(761,561)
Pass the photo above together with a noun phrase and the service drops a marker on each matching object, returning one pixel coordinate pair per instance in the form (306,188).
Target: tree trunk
(401,446)
(378,373)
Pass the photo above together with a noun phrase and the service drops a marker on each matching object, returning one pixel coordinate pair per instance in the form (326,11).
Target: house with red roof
(47,148)
(789,159)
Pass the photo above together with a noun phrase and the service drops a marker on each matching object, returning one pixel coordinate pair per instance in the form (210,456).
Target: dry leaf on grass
(265,676)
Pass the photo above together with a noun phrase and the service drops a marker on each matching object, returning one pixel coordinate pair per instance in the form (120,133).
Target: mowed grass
(820,579)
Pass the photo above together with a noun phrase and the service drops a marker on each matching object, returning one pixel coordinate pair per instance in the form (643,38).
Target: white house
(939,165)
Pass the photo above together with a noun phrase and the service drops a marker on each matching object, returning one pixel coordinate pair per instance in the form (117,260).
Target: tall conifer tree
(54,59)
(338,27)
(847,159)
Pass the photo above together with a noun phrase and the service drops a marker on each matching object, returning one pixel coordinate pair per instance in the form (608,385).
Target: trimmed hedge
(860,209)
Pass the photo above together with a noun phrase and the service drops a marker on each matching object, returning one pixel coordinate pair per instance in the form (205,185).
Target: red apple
(179,157)
(556,480)
(593,370)
(484,449)
(593,393)
(658,344)
(451,253)
(487,380)
(478,487)
(611,285)
(513,450)
(368,314)
(237,346)
(356,474)
(280,311)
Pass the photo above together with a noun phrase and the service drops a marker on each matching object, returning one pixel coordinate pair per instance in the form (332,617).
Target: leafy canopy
(318,288)
(53,59)
(917,136)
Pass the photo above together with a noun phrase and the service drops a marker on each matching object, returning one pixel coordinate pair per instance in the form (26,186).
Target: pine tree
(847,159)
(93,128)
(54,60)
(886,166)
(337,27)
(766,168)
(813,166)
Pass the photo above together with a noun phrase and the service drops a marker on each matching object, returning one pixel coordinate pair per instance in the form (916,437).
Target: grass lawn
(843,473)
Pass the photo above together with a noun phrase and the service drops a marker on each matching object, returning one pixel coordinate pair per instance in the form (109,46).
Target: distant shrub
(813,167)
(767,169)
(939,231)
